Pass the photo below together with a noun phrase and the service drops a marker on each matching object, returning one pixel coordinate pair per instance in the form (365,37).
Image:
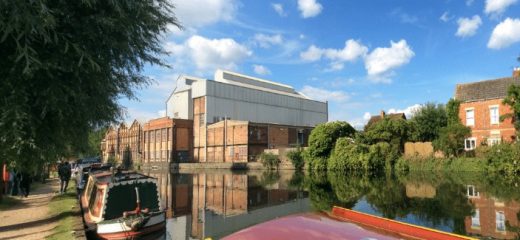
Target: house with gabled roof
(481,107)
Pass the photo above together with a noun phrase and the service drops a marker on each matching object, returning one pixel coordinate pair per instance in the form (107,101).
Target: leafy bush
(504,158)
(451,139)
(382,155)
(296,158)
(322,141)
(269,160)
(348,155)
(393,131)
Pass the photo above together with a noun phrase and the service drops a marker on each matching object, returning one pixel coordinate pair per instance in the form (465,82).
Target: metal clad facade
(242,103)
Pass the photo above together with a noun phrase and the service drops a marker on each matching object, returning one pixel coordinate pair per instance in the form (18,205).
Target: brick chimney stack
(516,72)
(382,114)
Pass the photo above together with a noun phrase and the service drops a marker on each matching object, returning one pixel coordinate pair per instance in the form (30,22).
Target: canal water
(217,203)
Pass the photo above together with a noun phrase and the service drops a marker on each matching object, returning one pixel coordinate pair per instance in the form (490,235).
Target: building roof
(377,118)
(484,90)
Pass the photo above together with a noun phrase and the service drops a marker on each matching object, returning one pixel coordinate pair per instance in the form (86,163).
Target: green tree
(64,65)
(322,141)
(451,139)
(513,101)
(427,121)
(393,131)
(452,112)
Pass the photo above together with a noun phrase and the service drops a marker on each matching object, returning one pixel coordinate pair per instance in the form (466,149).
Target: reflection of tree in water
(387,195)
(269,178)
(297,181)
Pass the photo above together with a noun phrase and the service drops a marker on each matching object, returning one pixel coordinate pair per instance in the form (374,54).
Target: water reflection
(217,203)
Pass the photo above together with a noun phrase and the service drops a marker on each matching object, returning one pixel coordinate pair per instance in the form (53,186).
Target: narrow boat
(123,205)
(339,224)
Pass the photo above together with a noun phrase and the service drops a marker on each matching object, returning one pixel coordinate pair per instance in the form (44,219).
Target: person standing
(25,183)
(64,174)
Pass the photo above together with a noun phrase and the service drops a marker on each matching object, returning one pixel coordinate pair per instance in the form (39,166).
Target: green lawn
(67,208)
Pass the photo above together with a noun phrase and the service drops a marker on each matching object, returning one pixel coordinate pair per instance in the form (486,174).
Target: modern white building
(238,97)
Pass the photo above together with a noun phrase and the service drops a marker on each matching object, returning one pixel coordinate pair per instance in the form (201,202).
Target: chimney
(382,113)
(516,72)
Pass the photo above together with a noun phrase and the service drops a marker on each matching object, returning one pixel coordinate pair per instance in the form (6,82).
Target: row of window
(494,115)
(500,220)
(159,135)
(471,143)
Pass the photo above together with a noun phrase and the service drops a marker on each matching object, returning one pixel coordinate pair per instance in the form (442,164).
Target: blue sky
(361,56)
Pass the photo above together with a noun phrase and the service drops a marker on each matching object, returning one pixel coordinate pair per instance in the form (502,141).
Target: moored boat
(124,205)
(340,224)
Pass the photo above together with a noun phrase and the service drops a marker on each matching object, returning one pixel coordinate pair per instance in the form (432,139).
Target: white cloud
(266,41)
(313,53)
(498,6)
(468,26)
(381,61)
(335,66)
(309,8)
(278,8)
(323,94)
(352,51)
(198,13)
(505,34)
(209,54)
(262,70)
(140,115)
(445,17)
(367,116)
(409,111)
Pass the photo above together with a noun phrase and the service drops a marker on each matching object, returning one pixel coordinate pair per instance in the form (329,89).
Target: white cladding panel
(180,105)
(240,103)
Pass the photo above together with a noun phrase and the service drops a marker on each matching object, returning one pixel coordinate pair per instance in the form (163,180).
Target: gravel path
(30,219)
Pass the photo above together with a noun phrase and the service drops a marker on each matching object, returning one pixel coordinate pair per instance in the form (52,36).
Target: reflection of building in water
(490,215)
(224,203)
(420,190)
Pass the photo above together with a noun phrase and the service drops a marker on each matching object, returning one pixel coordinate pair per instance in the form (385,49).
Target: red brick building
(481,107)
(167,140)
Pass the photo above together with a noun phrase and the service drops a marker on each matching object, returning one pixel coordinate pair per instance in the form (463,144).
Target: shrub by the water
(269,160)
(504,158)
(296,158)
(348,155)
(322,141)
(382,155)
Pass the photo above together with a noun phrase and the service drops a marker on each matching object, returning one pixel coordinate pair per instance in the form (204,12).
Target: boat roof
(106,177)
(311,226)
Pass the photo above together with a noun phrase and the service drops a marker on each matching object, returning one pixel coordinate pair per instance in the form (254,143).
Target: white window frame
(493,141)
(475,219)
(500,221)
(470,121)
(472,192)
(494,120)
(472,146)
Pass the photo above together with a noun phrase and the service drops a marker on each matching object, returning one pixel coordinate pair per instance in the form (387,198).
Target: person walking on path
(64,174)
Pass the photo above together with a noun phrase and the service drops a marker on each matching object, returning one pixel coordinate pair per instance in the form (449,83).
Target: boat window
(122,198)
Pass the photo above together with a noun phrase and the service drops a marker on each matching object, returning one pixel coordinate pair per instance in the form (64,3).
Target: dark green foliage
(427,121)
(322,141)
(451,139)
(296,158)
(65,64)
(393,131)
(452,112)
(348,155)
(505,159)
(269,160)
(513,101)
(382,156)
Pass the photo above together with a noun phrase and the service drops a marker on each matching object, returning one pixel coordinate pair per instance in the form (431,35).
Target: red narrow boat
(339,224)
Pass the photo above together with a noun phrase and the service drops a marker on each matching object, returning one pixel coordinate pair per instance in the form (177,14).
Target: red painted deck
(412,231)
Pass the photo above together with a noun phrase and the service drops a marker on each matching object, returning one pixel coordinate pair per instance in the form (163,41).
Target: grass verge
(66,207)
(446,164)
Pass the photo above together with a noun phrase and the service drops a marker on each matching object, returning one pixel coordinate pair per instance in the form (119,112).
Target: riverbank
(41,215)
(442,164)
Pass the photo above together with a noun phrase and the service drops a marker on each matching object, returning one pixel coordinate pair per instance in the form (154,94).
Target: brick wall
(483,129)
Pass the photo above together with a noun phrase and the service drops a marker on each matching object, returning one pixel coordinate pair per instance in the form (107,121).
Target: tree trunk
(2,165)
